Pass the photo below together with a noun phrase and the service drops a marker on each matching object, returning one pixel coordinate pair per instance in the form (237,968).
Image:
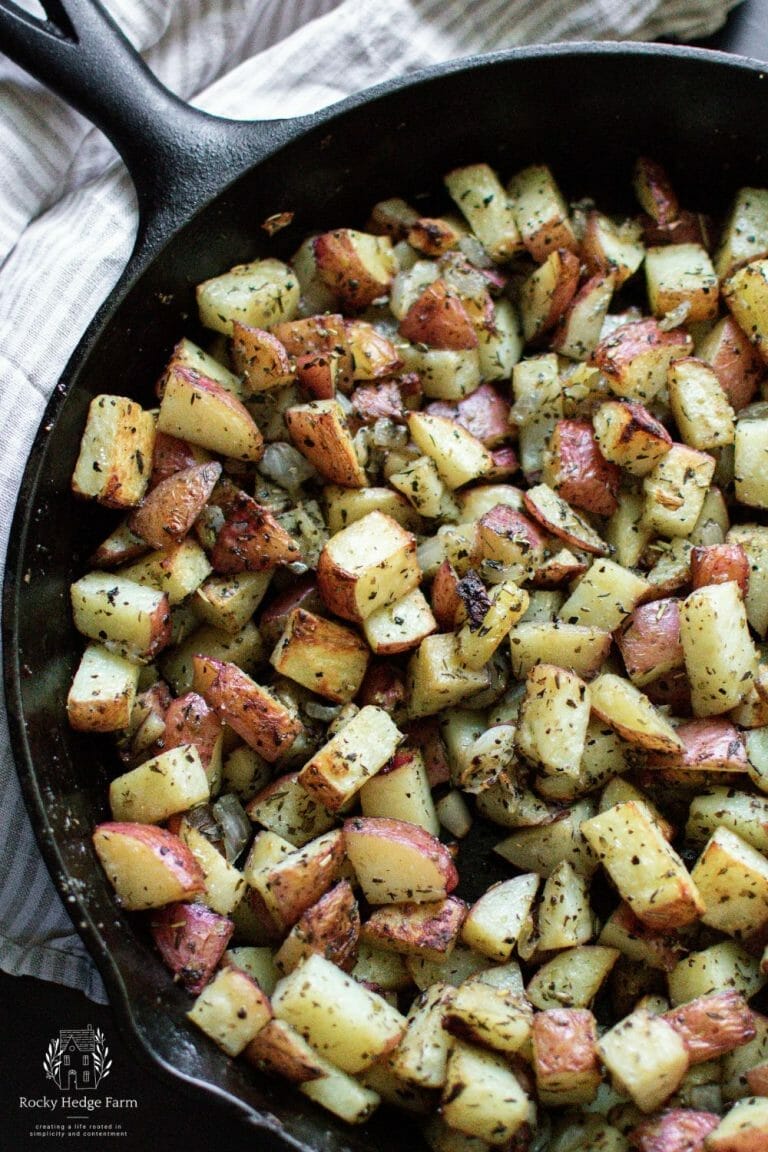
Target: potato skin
(679,1130)
(710,1026)
(191,938)
(578,470)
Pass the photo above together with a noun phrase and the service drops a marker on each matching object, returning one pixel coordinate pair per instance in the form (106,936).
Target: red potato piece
(711,745)
(433,236)
(170,454)
(719,563)
(565,1051)
(301,593)
(578,471)
(510,537)
(330,927)
(372,402)
(251,540)
(635,357)
(484,413)
(383,686)
(191,938)
(397,862)
(429,930)
(374,356)
(318,374)
(356,266)
(147,866)
(556,515)
(445,600)
(738,364)
(687,228)
(256,715)
(439,319)
(679,1130)
(260,358)
(425,735)
(710,1026)
(547,293)
(170,509)
(189,720)
(649,641)
(504,464)
(557,570)
(196,408)
(654,191)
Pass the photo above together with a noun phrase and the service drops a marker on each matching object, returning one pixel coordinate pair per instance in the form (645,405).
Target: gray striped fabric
(67,220)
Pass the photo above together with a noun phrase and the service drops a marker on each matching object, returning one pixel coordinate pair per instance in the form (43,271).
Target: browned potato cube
(322,655)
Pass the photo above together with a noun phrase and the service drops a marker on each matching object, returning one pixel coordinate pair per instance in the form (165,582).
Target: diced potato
(647,871)
(732,879)
(630,713)
(751,445)
(170,782)
(636,357)
(224,884)
(742,813)
(341,1094)
(429,929)
(330,927)
(625,1051)
(396,861)
(341,1019)
(260,294)
(701,409)
(713,969)
(366,566)
(547,292)
(128,618)
(604,596)
(540,212)
(400,626)
(482,1097)
(581,649)
(203,412)
(458,455)
(320,432)
(553,719)
(401,792)
(255,712)
(489,1015)
(681,274)
(614,248)
(477,642)
(478,192)
(114,462)
(147,866)
(495,920)
(232,1009)
(437,677)
(324,656)
(743,1129)
(356,266)
(630,436)
(565,1056)
(290,880)
(572,978)
(712,1025)
(746,294)
(745,235)
(178,570)
(675,490)
(103,691)
(229,602)
(350,757)
(285,807)
(565,917)
(720,656)
(542,848)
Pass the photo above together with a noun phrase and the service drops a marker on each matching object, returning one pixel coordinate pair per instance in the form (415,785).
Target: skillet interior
(587,112)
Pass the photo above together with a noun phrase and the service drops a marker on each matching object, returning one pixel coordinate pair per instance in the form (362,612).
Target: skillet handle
(175,154)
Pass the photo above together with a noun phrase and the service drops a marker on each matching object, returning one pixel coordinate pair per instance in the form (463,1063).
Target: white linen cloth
(67,220)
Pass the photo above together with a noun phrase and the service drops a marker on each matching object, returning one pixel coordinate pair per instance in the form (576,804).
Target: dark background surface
(32,1012)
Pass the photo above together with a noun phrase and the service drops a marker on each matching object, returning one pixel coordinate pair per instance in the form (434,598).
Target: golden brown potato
(565,1059)
(428,929)
(712,1025)
(254,712)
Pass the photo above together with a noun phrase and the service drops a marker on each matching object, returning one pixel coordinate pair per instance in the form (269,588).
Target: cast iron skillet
(204,186)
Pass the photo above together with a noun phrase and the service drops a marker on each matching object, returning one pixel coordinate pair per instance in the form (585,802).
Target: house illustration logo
(78,1060)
